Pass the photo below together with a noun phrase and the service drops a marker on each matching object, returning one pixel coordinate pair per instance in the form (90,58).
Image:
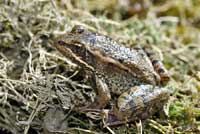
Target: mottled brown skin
(129,73)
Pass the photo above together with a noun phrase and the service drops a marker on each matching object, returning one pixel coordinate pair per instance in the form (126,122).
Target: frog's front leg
(103,94)
(102,98)
(138,102)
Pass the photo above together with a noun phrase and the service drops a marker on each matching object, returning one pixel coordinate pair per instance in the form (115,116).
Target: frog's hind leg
(157,64)
(139,102)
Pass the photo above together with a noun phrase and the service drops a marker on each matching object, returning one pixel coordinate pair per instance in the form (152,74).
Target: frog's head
(79,35)
(74,46)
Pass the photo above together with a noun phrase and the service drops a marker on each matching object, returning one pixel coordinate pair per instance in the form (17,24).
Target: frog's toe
(92,113)
(110,119)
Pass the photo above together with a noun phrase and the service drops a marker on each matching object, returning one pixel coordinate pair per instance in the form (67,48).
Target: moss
(34,76)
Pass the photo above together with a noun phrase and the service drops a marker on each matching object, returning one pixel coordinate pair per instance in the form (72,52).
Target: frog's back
(117,80)
(135,60)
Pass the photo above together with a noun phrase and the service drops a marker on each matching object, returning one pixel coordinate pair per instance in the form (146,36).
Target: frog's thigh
(141,97)
(103,94)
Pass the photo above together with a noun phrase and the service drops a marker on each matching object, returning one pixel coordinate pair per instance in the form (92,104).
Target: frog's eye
(78,29)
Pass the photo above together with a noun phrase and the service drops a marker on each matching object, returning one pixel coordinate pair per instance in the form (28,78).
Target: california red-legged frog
(132,75)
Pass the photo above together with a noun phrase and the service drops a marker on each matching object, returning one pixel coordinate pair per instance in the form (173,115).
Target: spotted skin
(137,103)
(135,60)
(132,75)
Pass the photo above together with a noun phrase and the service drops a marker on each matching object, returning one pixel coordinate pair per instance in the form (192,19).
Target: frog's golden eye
(78,29)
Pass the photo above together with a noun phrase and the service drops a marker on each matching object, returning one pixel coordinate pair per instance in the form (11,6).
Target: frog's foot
(110,119)
(108,116)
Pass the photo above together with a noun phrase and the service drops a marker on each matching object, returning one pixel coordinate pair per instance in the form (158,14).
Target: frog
(131,76)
